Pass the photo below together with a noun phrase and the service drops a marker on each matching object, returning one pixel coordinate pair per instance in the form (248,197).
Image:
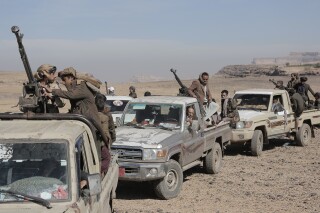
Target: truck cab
(52,162)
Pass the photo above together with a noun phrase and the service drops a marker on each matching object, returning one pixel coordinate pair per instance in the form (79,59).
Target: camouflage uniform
(303,88)
(293,81)
(112,128)
(105,154)
(45,77)
(109,119)
(279,85)
(298,105)
(232,113)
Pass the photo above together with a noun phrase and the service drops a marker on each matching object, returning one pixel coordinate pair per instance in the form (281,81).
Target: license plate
(122,172)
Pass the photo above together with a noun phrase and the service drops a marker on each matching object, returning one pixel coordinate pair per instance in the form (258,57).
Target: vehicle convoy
(262,119)
(44,160)
(117,104)
(156,144)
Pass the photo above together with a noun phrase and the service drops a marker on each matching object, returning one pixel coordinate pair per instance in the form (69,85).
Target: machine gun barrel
(32,99)
(177,78)
(23,54)
(273,81)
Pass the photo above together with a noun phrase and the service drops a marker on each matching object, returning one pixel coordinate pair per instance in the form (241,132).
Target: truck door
(278,115)
(86,164)
(193,136)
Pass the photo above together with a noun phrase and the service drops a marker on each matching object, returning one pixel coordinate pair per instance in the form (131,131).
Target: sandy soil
(286,178)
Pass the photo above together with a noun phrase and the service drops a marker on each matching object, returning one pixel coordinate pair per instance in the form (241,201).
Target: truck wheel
(303,136)
(257,143)
(213,160)
(170,186)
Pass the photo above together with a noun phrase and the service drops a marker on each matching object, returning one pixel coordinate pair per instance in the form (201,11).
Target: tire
(170,186)
(257,143)
(213,160)
(303,136)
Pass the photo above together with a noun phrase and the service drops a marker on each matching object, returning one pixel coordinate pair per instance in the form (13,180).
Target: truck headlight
(154,154)
(243,124)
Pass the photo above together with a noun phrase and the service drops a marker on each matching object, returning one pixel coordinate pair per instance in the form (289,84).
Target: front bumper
(241,135)
(131,171)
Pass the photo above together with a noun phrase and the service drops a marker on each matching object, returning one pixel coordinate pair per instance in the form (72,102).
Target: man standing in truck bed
(199,88)
(80,96)
(81,99)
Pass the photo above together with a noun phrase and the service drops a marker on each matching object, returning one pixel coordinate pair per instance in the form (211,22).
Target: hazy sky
(115,40)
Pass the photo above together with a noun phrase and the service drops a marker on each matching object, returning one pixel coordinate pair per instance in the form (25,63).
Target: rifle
(278,86)
(183,91)
(32,99)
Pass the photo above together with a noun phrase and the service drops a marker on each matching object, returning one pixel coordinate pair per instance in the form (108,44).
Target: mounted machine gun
(32,98)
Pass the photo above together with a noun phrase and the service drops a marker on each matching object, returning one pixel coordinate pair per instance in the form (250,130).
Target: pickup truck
(155,143)
(261,120)
(44,160)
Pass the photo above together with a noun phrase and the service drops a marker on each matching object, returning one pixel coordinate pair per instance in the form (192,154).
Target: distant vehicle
(261,120)
(117,103)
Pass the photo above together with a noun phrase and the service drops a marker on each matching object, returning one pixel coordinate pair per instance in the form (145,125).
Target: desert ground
(286,178)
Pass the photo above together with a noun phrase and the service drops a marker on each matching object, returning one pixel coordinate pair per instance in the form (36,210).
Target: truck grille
(134,154)
(131,170)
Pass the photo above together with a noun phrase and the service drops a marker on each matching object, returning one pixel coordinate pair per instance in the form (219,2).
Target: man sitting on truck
(303,88)
(190,116)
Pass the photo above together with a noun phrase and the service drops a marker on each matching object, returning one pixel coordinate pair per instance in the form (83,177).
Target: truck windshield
(117,105)
(166,116)
(258,102)
(36,168)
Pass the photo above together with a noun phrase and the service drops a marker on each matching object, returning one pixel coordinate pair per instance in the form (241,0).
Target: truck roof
(41,129)
(260,91)
(165,99)
(44,126)
(117,97)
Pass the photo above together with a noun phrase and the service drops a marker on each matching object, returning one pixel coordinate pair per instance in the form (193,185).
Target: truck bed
(220,133)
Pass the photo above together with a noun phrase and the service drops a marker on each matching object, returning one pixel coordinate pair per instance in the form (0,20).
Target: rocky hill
(267,70)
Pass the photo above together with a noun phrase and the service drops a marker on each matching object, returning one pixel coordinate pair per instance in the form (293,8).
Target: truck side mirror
(94,181)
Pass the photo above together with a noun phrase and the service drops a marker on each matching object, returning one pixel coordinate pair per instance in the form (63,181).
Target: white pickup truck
(260,121)
(44,158)
(117,104)
(155,143)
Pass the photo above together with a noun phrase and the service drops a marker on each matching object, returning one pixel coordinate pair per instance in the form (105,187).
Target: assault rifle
(183,91)
(32,99)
